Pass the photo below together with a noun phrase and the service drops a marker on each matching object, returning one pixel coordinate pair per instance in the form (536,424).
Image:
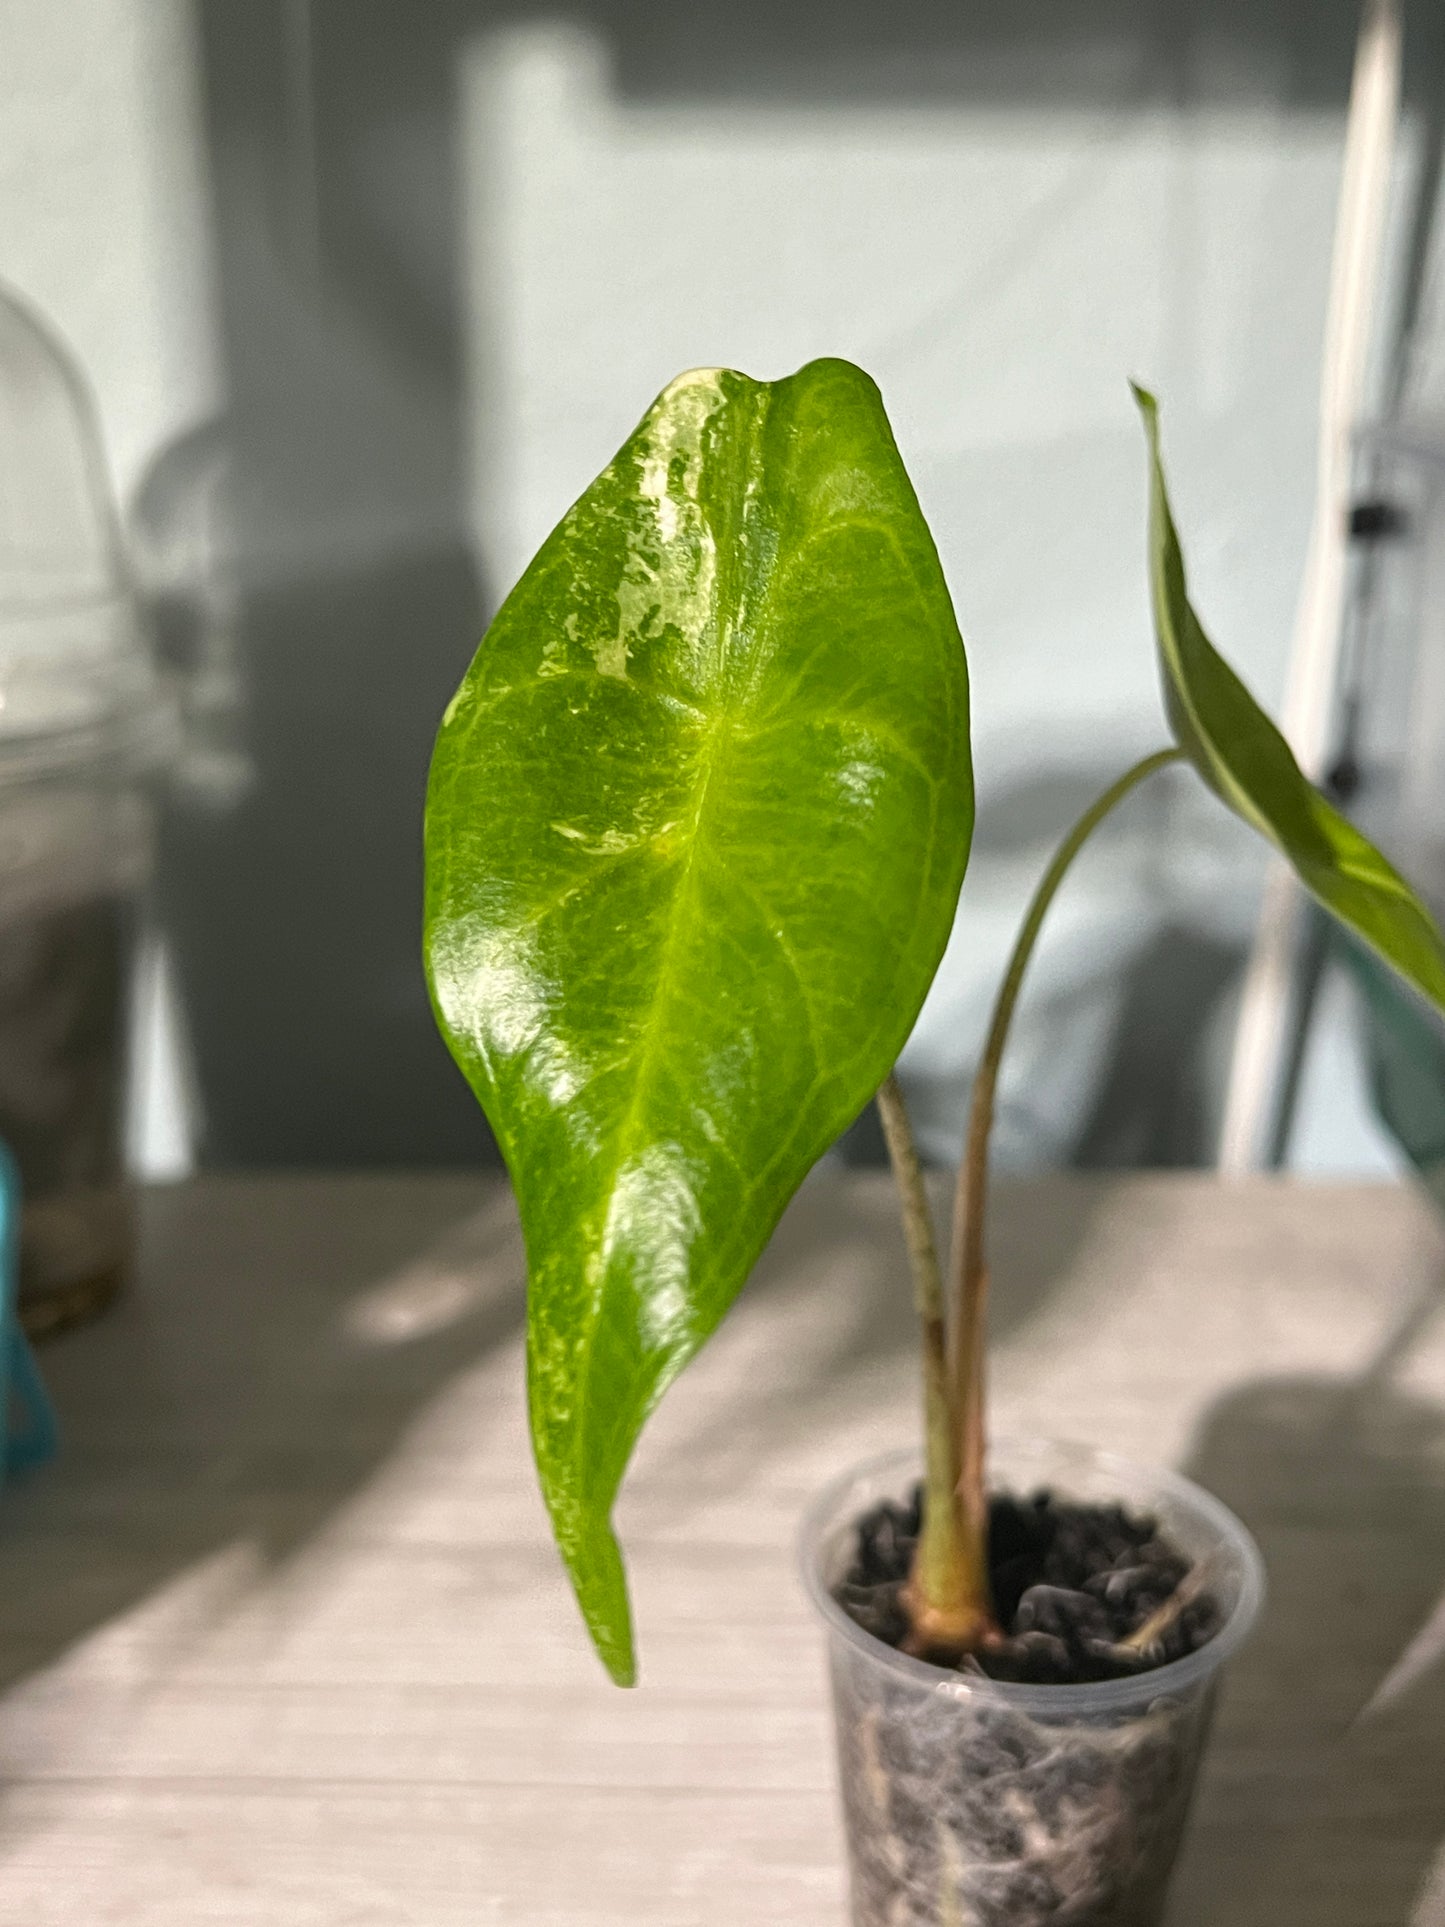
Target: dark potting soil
(1071,1583)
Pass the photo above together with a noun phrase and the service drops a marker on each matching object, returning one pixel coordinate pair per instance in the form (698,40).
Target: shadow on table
(262,1372)
(270,1363)
(1324,1799)
(832,1302)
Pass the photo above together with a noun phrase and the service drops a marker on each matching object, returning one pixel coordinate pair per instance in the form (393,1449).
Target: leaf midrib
(721,726)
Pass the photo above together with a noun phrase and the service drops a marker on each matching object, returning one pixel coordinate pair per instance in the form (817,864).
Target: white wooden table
(283,1641)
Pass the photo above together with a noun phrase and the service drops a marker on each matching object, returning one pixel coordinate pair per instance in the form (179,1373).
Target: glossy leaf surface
(1247,762)
(697,823)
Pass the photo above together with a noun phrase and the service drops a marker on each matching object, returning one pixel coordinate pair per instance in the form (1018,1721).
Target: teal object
(1406,1047)
(29,1419)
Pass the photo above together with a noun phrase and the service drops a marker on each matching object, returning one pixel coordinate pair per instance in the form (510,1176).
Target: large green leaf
(1243,757)
(697,823)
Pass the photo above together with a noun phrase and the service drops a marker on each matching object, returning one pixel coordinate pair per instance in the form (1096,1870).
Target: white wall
(1001,271)
(103,206)
(1000,268)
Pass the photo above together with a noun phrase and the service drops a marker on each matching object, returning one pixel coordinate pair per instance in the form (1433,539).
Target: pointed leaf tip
(1243,757)
(696,826)
(599,1579)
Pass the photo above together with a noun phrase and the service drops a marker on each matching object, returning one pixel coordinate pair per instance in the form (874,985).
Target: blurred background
(356,296)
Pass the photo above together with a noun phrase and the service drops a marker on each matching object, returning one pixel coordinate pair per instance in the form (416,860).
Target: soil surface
(1071,1583)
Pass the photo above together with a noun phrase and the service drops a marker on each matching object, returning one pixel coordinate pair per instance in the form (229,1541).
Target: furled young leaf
(697,823)
(1244,759)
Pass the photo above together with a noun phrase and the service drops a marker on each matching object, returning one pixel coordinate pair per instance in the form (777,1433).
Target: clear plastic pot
(970,1803)
(85,727)
(75,851)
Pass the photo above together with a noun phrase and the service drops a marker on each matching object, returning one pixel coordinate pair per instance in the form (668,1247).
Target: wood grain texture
(283,1639)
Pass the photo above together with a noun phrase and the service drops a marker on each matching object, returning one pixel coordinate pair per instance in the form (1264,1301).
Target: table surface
(284,1641)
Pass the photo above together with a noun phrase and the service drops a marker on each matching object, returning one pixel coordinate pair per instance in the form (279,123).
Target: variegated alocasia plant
(697,823)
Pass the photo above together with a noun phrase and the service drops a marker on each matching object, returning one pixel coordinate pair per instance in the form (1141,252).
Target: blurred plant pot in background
(84,727)
(971,1800)
(75,847)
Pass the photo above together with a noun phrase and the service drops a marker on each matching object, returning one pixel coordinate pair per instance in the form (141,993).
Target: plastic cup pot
(974,1803)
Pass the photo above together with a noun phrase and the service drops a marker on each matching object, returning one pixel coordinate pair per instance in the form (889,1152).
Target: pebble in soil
(1071,1583)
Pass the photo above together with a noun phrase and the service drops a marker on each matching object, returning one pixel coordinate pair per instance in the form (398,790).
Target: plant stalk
(939,1578)
(968,1267)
